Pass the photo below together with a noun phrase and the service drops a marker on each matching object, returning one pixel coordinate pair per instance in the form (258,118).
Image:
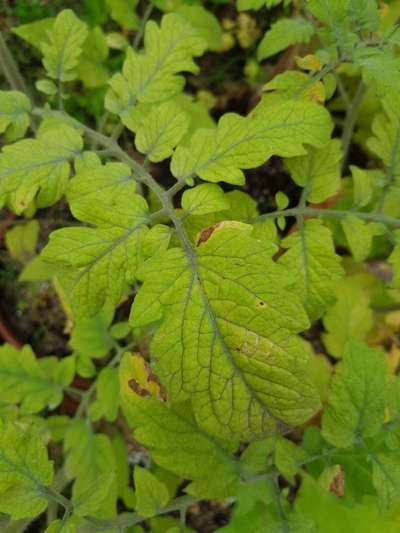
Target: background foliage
(200,266)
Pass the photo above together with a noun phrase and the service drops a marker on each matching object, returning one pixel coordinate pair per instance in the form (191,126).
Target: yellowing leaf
(98,262)
(247,142)
(172,436)
(154,75)
(309,62)
(294,85)
(227,338)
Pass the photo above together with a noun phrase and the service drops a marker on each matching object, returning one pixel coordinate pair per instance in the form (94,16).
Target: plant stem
(343,92)
(278,505)
(350,121)
(126,520)
(331,213)
(140,32)
(12,73)
(141,175)
(57,497)
(10,68)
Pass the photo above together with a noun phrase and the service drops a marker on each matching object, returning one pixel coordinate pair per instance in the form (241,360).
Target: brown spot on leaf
(260,304)
(337,483)
(140,391)
(148,384)
(206,233)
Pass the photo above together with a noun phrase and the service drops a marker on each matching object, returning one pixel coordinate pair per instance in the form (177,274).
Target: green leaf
(151,494)
(47,87)
(33,383)
(380,68)
(281,200)
(386,479)
(333,514)
(90,460)
(365,13)
(288,458)
(14,115)
(227,335)
(95,190)
(257,4)
(350,317)
(385,142)
(35,32)
(21,240)
(294,85)
(123,473)
(359,235)
(242,5)
(120,330)
(282,34)
(123,12)
(336,16)
(362,185)
(25,471)
(255,458)
(312,261)
(172,436)
(90,336)
(87,499)
(203,199)
(319,171)
(247,142)
(62,526)
(161,130)
(100,261)
(205,22)
(63,48)
(154,75)
(38,167)
(107,396)
(91,69)
(357,401)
